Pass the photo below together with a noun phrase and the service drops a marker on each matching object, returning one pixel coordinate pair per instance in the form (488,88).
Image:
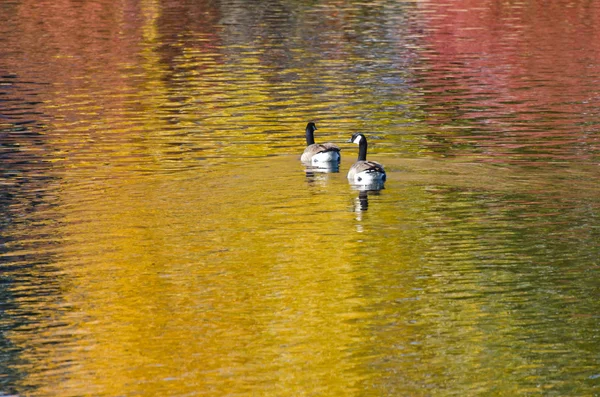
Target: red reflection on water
(529,68)
(65,42)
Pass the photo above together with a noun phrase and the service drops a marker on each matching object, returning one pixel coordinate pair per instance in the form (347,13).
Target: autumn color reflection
(160,237)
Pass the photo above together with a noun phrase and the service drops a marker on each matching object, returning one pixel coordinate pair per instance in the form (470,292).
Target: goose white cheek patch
(357,139)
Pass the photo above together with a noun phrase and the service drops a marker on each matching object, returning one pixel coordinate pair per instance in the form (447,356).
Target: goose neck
(310,136)
(362,150)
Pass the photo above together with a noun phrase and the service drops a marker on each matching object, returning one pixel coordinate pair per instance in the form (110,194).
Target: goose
(318,153)
(365,172)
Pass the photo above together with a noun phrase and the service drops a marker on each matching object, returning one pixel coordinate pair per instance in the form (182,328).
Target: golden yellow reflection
(203,274)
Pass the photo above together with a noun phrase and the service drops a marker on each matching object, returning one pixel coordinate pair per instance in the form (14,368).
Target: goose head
(357,138)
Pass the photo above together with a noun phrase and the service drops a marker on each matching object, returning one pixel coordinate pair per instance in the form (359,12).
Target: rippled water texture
(159,236)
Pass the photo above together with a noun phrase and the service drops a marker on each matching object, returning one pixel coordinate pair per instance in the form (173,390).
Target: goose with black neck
(365,172)
(321,155)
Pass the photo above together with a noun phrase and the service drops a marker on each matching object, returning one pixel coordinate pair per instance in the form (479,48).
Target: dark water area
(159,235)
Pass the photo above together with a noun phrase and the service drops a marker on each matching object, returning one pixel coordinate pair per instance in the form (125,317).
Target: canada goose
(365,172)
(318,153)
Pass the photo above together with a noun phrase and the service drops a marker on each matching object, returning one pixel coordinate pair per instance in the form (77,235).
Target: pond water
(159,236)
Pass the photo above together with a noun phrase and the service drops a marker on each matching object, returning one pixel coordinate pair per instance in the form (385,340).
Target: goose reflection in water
(324,168)
(361,203)
(320,175)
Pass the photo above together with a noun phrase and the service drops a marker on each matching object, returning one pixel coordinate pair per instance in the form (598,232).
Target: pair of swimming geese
(363,172)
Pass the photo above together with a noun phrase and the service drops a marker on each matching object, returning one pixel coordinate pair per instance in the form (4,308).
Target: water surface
(159,235)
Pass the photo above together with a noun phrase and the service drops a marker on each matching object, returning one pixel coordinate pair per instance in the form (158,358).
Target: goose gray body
(365,172)
(317,153)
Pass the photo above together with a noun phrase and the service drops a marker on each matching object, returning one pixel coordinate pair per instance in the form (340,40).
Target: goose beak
(349,140)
